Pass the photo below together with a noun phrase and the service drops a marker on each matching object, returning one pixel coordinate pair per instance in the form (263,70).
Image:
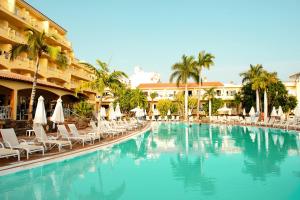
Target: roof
(173,85)
(19,77)
(295,76)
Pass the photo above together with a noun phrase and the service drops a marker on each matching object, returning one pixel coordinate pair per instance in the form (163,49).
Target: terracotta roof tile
(173,85)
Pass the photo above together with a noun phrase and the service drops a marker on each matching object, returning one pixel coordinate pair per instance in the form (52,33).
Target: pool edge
(67,155)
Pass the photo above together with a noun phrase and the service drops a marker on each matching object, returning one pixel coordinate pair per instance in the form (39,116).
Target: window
(190,93)
(218,92)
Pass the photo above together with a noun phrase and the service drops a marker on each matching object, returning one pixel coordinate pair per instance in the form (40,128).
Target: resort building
(223,91)
(16,76)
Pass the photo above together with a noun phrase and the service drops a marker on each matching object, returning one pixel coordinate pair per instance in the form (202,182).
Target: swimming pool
(173,161)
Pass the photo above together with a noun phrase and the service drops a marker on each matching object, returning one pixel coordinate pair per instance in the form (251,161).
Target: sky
(154,34)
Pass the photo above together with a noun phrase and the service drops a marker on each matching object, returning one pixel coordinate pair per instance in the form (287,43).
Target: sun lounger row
(289,124)
(12,146)
(165,118)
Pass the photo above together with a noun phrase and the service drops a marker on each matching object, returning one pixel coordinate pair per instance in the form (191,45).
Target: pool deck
(40,160)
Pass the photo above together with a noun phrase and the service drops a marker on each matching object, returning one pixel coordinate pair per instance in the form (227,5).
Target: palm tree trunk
(257,101)
(265,106)
(209,108)
(199,93)
(186,103)
(33,91)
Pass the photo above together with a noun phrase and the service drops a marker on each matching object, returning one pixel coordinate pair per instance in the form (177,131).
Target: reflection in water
(192,159)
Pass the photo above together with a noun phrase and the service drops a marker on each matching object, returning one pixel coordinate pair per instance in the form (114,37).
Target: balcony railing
(5,112)
(11,35)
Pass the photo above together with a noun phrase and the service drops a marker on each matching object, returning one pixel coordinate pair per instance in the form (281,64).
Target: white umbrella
(297,111)
(136,109)
(112,115)
(252,111)
(169,112)
(190,112)
(40,113)
(280,111)
(145,112)
(156,112)
(273,113)
(58,114)
(118,111)
(139,113)
(102,112)
(224,109)
(244,112)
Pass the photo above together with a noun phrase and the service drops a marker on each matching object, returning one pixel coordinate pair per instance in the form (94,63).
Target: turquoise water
(173,162)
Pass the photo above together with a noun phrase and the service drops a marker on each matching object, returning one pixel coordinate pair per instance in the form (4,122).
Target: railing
(68,112)
(5,112)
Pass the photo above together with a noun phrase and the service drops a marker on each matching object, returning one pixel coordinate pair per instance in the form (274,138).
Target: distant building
(223,91)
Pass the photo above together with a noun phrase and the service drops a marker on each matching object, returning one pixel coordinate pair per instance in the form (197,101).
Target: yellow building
(16,76)
(223,91)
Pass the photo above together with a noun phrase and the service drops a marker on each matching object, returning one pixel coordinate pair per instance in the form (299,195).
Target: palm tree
(35,47)
(209,94)
(250,76)
(237,101)
(153,95)
(262,82)
(104,79)
(205,61)
(182,71)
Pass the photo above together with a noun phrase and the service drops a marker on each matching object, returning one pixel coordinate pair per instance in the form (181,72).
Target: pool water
(173,161)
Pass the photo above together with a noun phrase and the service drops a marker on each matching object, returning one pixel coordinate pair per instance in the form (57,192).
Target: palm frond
(17,49)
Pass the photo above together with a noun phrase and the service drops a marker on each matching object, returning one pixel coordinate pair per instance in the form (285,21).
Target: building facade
(16,76)
(223,91)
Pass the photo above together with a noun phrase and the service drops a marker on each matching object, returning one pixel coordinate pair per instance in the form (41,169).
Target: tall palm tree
(182,72)
(205,61)
(209,94)
(153,95)
(35,47)
(250,76)
(104,79)
(262,82)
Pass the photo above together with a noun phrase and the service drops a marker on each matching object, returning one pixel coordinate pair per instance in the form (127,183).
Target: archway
(24,98)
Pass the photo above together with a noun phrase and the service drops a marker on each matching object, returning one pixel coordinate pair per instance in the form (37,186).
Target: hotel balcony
(18,64)
(56,74)
(11,36)
(22,18)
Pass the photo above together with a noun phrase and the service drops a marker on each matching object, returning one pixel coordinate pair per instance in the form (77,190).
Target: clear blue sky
(154,34)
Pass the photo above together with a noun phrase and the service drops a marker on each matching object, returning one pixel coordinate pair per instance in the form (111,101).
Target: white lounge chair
(5,153)
(65,135)
(10,140)
(42,137)
(74,132)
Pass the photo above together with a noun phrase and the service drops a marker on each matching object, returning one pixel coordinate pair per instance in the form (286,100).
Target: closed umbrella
(102,112)
(190,112)
(111,115)
(244,112)
(280,112)
(252,111)
(169,112)
(297,111)
(156,112)
(145,112)
(58,114)
(118,111)
(40,113)
(273,113)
